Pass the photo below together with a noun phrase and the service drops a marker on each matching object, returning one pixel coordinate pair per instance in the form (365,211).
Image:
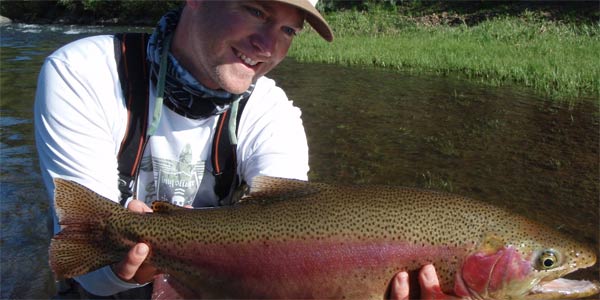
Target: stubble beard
(232,81)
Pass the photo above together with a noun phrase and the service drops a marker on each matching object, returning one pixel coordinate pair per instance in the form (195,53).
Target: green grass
(557,59)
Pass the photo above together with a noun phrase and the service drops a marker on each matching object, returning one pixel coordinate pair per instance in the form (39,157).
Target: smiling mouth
(247,60)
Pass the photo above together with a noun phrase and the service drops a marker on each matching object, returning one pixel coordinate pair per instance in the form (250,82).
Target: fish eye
(547,259)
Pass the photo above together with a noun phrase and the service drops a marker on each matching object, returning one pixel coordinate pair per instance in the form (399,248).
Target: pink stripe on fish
(295,265)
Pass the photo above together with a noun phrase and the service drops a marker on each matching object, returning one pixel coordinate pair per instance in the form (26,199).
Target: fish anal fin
(166,287)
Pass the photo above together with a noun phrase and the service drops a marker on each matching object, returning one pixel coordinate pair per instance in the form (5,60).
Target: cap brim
(313,17)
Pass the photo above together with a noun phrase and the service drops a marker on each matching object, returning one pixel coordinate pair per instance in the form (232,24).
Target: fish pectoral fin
(273,188)
(166,207)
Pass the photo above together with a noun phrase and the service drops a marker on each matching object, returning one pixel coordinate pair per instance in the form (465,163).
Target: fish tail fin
(80,247)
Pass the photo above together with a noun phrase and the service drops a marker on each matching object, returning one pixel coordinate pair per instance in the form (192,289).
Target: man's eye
(255,12)
(290,31)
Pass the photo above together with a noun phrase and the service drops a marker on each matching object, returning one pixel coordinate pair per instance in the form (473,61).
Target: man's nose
(264,41)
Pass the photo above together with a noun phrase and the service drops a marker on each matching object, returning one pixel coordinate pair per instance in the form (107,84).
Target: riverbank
(556,58)
(551,47)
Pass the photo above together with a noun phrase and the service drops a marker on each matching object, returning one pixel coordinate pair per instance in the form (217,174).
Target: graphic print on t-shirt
(176,181)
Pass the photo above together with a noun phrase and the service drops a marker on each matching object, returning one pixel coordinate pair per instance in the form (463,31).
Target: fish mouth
(562,288)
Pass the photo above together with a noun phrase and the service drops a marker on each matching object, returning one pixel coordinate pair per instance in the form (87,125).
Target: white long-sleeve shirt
(81,119)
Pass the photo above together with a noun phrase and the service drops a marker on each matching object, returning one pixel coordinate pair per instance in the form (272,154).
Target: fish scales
(317,218)
(311,240)
(289,223)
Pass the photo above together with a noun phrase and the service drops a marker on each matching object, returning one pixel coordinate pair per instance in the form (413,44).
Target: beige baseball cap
(313,17)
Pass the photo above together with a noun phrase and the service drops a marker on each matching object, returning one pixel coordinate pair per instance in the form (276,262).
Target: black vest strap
(224,158)
(130,53)
(133,74)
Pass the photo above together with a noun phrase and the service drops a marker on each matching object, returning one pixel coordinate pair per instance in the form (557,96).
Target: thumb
(127,268)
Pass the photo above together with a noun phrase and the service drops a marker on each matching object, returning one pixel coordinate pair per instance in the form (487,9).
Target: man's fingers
(138,206)
(128,267)
(399,289)
(430,285)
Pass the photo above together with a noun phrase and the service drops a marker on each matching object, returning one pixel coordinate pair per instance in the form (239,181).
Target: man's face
(229,44)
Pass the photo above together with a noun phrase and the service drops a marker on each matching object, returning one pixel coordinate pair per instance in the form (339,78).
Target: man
(210,54)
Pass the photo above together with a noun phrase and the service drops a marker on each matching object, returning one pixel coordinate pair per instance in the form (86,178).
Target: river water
(504,145)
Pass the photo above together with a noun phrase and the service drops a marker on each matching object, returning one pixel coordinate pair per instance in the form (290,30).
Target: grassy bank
(558,59)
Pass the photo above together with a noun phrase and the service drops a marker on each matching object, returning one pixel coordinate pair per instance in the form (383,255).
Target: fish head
(551,262)
(527,269)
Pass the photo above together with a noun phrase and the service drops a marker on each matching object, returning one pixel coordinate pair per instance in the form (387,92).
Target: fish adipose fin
(274,188)
(166,207)
(80,247)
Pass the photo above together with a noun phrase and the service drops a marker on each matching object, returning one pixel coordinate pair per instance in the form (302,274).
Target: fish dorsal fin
(274,188)
(166,207)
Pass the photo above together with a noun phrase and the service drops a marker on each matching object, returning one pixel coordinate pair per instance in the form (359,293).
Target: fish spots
(298,244)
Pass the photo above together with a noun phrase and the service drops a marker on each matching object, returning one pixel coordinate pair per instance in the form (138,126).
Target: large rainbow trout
(293,239)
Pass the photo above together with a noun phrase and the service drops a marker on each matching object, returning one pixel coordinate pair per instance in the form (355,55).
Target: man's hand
(428,280)
(132,267)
